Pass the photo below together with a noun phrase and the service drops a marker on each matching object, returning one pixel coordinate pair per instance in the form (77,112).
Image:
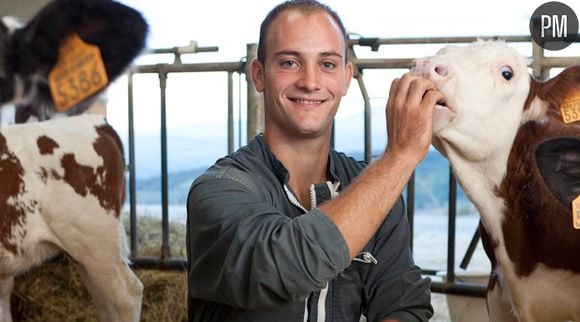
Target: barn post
(255,120)
(538,69)
(230,112)
(165,245)
(131,168)
(358,76)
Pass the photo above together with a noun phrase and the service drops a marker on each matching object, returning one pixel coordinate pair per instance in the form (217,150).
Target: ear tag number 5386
(78,73)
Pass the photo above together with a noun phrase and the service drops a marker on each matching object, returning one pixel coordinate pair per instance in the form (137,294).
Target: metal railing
(540,69)
(166,261)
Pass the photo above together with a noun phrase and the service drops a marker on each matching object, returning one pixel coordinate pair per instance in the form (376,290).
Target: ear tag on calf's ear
(78,73)
(576,212)
(570,107)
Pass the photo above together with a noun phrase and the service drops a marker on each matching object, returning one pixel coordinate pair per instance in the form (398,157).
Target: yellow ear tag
(570,107)
(78,73)
(576,212)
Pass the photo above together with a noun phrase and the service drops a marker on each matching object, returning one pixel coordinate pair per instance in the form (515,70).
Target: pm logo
(554,26)
(559,28)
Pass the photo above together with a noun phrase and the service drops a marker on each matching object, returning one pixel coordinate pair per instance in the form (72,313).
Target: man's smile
(305,101)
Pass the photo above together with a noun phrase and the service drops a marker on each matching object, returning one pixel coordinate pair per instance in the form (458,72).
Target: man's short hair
(305,6)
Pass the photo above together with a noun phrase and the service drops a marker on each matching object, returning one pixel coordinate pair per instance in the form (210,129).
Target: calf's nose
(441,70)
(430,68)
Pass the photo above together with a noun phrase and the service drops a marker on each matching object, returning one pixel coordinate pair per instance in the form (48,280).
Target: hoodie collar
(259,145)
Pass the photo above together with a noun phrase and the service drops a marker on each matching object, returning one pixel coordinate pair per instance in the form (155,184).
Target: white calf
(513,152)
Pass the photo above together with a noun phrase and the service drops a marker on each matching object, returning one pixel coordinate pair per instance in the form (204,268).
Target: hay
(149,237)
(54,292)
(164,297)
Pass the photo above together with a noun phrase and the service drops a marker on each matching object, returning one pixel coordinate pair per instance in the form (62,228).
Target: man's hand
(409,116)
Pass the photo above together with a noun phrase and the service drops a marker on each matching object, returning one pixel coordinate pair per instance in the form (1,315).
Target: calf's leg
(498,302)
(115,289)
(98,245)
(6,287)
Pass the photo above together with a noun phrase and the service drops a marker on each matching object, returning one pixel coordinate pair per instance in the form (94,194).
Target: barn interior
(446,240)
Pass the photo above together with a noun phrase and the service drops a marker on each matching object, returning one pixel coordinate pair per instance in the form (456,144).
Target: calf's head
(496,116)
(29,52)
(486,85)
(489,94)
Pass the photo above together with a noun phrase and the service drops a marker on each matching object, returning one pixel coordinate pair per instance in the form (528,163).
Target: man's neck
(306,161)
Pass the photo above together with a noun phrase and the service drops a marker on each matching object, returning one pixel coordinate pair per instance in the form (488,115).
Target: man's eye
(288,64)
(328,65)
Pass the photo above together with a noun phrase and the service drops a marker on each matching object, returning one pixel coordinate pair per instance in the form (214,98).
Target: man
(281,230)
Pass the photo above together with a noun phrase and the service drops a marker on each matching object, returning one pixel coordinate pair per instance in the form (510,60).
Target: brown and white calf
(62,188)
(519,162)
(62,182)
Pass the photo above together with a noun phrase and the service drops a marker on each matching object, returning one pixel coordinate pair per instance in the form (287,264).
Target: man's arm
(361,208)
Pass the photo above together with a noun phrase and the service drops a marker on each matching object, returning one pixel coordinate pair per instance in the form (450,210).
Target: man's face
(304,74)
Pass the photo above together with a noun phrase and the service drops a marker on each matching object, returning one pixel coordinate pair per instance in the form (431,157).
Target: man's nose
(309,78)
(433,68)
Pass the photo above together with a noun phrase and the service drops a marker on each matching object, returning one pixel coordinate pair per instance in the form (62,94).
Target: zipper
(365,257)
(293,200)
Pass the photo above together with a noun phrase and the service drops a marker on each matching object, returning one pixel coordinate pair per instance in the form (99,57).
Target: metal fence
(540,66)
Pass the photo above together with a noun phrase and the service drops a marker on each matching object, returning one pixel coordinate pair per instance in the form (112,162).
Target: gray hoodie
(254,254)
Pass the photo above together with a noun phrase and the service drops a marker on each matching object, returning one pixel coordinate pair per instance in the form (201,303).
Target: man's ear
(257,70)
(348,72)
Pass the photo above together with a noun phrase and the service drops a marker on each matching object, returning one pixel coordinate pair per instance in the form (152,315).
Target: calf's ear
(549,97)
(119,31)
(558,160)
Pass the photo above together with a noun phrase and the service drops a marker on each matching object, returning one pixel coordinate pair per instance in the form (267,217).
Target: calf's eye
(507,73)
